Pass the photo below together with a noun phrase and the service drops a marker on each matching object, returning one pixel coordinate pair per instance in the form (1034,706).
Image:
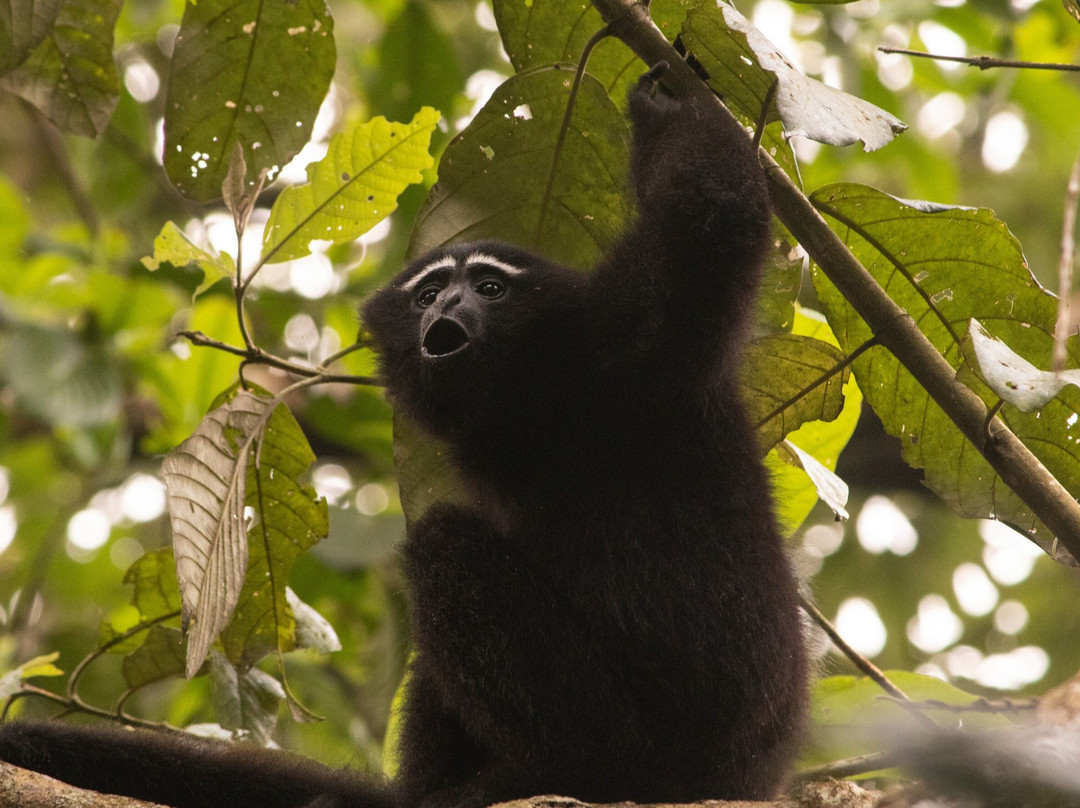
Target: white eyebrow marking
(492,261)
(418,278)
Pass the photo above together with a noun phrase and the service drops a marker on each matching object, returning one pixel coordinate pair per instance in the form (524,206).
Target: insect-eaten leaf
(353,188)
(1012,377)
(206,480)
(173,246)
(247,72)
(521,173)
(743,65)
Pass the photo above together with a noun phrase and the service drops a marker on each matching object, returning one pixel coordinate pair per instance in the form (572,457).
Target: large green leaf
(70,76)
(545,32)
(23,25)
(247,71)
(351,189)
(516,175)
(945,266)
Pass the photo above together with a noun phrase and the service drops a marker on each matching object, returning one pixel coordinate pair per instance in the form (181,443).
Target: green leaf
(23,25)
(172,246)
(11,682)
(417,65)
(794,492)
(945,266)
(513,174)
(247,71)
(546,32)
(351,189)
(289,518)
(70,76)
(788,380)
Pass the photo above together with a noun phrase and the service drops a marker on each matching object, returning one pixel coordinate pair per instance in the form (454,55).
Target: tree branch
(894,328)
(984,62)
(26,789)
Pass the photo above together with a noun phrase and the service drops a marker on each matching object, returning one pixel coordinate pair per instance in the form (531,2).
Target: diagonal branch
(893,327)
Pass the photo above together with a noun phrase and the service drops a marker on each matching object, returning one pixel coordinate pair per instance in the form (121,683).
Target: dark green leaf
(247,71)
(513,173)
(945,268)
(546,32)
(289,518)
(788,380)
(70,75)
(23,25)
(161,656)
(426,474)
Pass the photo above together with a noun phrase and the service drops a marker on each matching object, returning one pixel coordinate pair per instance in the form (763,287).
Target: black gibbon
(612,617)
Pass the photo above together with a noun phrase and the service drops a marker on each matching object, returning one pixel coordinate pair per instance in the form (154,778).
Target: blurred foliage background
(94,387)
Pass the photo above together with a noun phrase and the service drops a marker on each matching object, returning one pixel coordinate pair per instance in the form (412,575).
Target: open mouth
(443,338)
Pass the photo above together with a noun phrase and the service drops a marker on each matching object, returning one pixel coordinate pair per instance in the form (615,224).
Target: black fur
(613,618)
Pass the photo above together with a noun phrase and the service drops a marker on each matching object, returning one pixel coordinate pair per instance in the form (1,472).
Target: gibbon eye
(427,296)
(490,288)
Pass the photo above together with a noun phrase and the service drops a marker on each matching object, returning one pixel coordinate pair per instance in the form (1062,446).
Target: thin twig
(1065,268)
(984,62)
(257,356)
(763,120)
(861,662)
(839,769)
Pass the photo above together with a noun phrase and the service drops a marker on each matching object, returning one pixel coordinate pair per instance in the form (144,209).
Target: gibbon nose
(452,298)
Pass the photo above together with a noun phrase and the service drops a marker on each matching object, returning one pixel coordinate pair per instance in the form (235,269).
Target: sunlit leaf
(743,65)
(247,71)
(945,266)
(513,174)
(795,493)
(11,682)
(351,189)
(172,246)
(850,714)
(830,489)
(312,629)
